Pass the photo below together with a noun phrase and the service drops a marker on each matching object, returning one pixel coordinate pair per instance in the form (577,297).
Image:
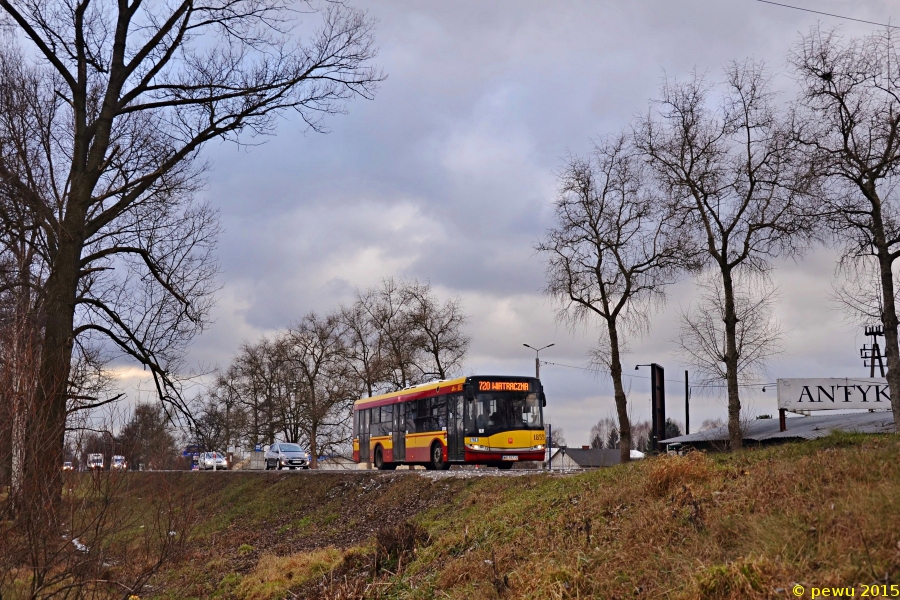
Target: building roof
(592,457)
(808,428)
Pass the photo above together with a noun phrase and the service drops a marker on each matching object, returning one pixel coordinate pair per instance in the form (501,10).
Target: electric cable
(693,385)
(819,12)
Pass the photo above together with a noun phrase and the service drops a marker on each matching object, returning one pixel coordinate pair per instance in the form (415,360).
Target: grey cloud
(448,176)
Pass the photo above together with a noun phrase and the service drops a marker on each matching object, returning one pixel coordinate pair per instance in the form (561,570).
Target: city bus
(487,420)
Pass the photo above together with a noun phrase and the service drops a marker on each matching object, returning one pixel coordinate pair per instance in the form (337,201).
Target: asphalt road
(400,472)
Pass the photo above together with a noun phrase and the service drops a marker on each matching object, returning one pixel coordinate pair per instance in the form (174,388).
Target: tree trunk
(615,371)
(313,450)
(731,362)
(889,320)
(46,424)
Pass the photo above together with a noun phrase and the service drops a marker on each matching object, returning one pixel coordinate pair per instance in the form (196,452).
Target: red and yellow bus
(486,420)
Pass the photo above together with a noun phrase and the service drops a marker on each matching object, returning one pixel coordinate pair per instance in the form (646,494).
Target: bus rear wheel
(437,458)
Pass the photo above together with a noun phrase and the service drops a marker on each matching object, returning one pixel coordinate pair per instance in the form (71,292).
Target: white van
(95,461)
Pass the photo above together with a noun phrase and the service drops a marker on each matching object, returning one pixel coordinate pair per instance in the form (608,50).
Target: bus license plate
(510,457)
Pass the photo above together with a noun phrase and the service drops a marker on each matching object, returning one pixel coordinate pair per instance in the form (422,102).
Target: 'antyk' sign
(829,394)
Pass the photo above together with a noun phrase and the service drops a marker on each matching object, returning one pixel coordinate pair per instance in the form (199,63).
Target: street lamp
(537,358)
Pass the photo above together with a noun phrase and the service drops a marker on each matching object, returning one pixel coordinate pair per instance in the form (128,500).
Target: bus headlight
(476,447)
(538,447)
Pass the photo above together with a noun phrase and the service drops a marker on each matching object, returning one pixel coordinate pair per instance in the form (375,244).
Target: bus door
(365,421)
(455,428)
(399,429)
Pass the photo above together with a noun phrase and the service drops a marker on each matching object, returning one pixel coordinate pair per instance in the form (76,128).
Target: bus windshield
(499,411)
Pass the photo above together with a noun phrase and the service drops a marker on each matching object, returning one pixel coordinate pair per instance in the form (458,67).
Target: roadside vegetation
(749,524)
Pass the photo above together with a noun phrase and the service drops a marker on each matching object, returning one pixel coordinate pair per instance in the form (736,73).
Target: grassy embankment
(748,524)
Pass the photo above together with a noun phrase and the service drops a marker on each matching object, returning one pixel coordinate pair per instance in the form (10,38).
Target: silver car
(210,460)
(286,455)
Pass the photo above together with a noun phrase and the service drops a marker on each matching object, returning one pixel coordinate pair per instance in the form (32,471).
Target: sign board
(833,393)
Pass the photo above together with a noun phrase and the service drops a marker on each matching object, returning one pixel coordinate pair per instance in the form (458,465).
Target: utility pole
(537,358)
(658,404)
(549,445)
(687,405)
(873,354)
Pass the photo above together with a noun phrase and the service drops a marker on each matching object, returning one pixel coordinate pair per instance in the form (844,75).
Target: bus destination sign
(504,386)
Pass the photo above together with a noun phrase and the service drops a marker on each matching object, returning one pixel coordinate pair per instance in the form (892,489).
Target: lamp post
(537,358)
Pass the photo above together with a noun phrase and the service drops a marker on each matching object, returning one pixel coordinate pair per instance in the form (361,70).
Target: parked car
(67,466)
(118,463)
(95,461)
(208,460)
(286,455)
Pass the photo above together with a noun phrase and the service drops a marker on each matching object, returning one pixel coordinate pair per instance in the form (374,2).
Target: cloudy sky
(448,176)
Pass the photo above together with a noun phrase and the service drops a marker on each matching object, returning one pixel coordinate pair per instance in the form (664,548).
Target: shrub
(394,541)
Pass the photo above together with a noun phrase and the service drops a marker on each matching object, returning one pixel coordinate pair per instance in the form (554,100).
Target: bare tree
(223,418)
(610,256)
(557,437)
(388,308)
(849,121)
(708,424)
(441,338)
(702,338)
(399,334)
(856,288)
(728,160)
(255,379)
(605,434)
(107,548)
(126,96)
(300,385)
(363,350)
(640,436)
(147,439)
(325,393)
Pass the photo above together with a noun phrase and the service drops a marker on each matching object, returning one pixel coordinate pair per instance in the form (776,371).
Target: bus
(487,420)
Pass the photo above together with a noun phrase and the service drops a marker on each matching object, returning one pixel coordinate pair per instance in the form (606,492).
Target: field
(752,524)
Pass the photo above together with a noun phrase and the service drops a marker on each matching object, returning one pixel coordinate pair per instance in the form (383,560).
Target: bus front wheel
(379,461)
(437,458)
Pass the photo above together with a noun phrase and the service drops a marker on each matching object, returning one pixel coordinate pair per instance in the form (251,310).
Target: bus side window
(410,417)
(439,412)
(374,421)
(387,415)
(423,416)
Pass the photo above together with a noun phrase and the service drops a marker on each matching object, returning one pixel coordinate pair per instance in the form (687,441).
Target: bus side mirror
(469,393)
(543,399)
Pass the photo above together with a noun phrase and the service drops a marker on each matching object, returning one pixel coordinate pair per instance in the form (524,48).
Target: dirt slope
(750,524)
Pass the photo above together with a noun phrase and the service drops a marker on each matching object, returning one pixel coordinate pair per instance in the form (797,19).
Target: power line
(819,12)
(698,386)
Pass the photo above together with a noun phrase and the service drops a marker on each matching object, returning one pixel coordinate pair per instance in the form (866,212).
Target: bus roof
(426,390)
(412,393)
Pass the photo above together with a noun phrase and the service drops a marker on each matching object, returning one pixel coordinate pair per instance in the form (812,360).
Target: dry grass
(274,575)
(743,525)
(745,578)
(670,472)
